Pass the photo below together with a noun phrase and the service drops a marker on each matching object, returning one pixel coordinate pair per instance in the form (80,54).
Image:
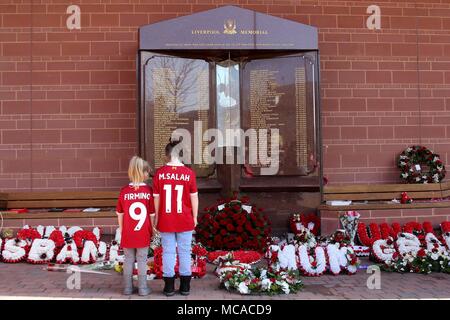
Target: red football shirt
(136,205)
(174,185)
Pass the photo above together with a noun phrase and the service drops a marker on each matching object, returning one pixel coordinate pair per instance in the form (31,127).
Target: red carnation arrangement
(310,221)
(198,261)
(57,238)
(83,235)
(384,231)
(364,237)
(445,226)
(390,231)
(28,234)
(243,256)
(229,226)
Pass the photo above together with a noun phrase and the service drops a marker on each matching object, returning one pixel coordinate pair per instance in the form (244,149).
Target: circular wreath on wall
(418,164)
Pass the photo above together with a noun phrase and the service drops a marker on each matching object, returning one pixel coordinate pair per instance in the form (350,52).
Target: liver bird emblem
(229,27)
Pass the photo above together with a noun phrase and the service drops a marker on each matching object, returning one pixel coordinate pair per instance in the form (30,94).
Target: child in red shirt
(134,207)
(176,204)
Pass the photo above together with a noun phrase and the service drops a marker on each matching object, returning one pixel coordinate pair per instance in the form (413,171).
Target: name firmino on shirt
(174,176)
(137,196)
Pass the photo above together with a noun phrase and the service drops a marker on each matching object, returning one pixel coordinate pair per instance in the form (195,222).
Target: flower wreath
(198,262)
(233,224)
(310,221)
(14,250)
(341,257)
(80,236)
(41,251)
(90,253)
(260,281)
(46,244)
(29,235)
(243,256)
(445,226)
(57,238)
(313,262)
(68,253)
(384,250)
(227,264)
(313,257)
(407,254)
(364,237)
(411,160)
(384,231)
(390,231)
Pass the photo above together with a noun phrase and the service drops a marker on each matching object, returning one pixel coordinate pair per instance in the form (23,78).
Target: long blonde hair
(136,170)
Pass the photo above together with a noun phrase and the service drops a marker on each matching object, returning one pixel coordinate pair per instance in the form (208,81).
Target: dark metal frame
(296,182)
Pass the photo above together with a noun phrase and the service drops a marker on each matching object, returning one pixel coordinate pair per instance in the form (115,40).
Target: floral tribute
(412,162)
(413,248)
(349,221)
(310,221)
(368,235)
(198,262)
(238,276)
(48,244)
(260,281)
(313,257)
(233,224)
(242,256)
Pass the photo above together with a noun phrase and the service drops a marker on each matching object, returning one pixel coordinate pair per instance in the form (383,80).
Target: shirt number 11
(179,190)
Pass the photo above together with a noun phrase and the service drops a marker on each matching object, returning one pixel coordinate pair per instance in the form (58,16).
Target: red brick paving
(28,281)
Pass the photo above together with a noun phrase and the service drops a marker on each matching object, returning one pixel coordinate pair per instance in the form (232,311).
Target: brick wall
(67,98)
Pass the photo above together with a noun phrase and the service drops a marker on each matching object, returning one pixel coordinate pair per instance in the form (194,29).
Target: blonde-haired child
(134,206)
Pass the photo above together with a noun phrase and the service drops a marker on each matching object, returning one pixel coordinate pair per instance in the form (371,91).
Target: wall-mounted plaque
(176,97)
(278,93)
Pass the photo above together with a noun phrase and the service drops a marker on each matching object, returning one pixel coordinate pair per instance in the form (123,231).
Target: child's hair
(137,169)
(170,147)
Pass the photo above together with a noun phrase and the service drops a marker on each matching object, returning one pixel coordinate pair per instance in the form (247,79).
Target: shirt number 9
(138,217)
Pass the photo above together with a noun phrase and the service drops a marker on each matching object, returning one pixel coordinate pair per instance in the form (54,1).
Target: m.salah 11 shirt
(174,185)
(136,205)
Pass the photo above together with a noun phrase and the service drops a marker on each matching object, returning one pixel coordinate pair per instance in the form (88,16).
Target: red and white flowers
(242,256)
(68,254)
(260,280)
(384,250)
(310,221)
(367,236)
(341,258)
(14,250)
(408,254)
(415,247)
(313,261)
(47,244)
(349,221)
(198,261)
(412,159)
(42,251)
(313,257)
(233,224)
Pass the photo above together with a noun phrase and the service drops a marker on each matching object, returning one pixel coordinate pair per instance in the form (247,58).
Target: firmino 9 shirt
(174,185)
(136,205)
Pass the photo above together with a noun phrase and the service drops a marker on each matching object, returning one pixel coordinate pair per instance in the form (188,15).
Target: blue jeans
(170,242)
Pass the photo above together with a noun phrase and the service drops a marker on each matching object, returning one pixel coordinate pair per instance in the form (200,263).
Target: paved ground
(28,281)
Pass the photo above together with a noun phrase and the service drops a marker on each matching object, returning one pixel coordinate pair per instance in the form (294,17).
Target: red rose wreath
(233,224)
